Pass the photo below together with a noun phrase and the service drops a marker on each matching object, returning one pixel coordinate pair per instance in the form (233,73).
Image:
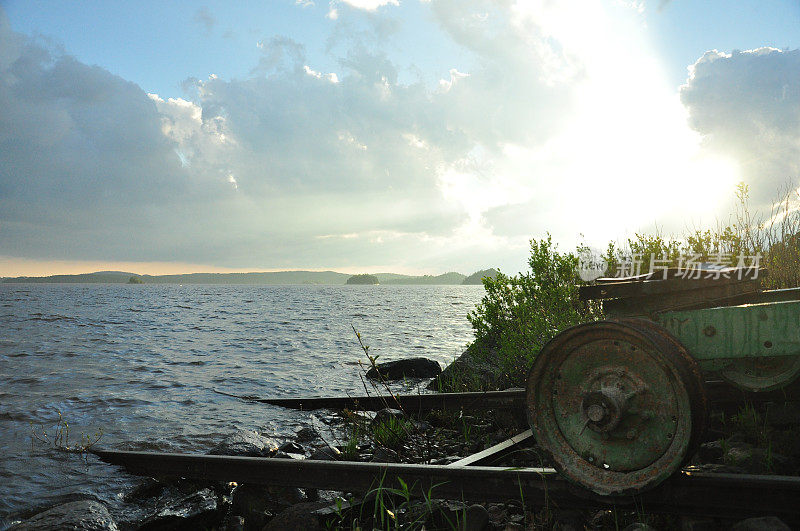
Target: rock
(568,520)
(711,451)
(604,519)
(422,426)
(326,453)
(387,415)
(291,447)
(147,489)
(440,514)
(385,455)
(85,515)
(306,435)
(198,510)
(498,512)
(245,443)
(477,518)
(234,523)
(693,523)
(639,526)
(300,517)
(738,454)
(469,371)
(248,498)
(257,504)
(764,523)
(407,368)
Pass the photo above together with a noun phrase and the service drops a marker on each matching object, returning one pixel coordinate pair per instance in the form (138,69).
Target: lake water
(141,362)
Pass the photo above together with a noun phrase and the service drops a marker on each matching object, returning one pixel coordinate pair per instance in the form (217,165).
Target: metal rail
(718,393)
(720,495)
(511,399)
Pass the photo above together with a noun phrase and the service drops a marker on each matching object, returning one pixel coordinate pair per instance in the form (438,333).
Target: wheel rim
(762,374)
(612,403)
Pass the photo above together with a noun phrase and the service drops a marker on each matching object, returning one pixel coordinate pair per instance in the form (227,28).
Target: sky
(381,135)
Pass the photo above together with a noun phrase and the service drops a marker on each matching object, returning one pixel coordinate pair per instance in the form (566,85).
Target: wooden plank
(649,305)
(615,290)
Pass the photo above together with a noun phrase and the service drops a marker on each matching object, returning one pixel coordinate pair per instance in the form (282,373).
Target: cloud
(747,107)
(295,165)
(369,5)
(245,173)
(204,17)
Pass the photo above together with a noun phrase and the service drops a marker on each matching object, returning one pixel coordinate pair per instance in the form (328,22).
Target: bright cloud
(747,107)
(370,5)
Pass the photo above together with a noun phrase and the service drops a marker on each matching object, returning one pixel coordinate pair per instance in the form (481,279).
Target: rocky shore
(738,442)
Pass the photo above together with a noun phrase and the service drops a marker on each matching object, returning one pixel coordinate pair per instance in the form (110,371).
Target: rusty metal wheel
(762,374)
(619,405)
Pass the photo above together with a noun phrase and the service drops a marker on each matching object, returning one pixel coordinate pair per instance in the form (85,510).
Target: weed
(60,439)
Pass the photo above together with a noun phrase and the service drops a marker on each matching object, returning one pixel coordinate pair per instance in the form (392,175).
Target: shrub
(520,313)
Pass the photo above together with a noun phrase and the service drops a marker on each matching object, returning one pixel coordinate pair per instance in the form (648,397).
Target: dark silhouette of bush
(363,279)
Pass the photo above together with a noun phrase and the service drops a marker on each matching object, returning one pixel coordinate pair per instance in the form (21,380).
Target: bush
(520,313)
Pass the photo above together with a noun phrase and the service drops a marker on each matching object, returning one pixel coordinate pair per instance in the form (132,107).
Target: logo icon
(591,264)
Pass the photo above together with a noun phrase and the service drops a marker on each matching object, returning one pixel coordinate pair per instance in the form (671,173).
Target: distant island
(269,278)
(478,276)
(363,279)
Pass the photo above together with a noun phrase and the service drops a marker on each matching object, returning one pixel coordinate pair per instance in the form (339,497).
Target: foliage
(520,313)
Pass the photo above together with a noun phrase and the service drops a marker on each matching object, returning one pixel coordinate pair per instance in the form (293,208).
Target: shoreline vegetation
(275,278)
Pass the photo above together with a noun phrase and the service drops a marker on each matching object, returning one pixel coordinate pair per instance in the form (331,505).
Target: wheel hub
(603,409)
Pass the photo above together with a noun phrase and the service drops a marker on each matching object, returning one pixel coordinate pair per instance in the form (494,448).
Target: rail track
(689,492)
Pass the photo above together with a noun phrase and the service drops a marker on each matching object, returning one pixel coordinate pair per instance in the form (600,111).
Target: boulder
(407,368)
(245,443)
(85,515)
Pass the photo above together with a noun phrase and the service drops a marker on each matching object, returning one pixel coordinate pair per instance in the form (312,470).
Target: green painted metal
(734,332)
(762,373)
